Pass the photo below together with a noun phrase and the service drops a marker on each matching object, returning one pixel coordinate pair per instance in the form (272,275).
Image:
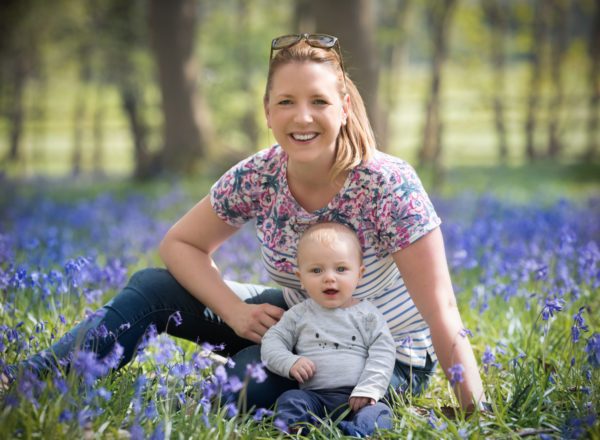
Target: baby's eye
(341,269)
(315,270)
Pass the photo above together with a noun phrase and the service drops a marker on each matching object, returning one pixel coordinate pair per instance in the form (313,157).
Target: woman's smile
(306,111)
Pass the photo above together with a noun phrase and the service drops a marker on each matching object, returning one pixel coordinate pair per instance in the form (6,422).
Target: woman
(324,167)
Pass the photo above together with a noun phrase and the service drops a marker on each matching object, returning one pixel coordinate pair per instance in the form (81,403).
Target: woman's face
(305,111)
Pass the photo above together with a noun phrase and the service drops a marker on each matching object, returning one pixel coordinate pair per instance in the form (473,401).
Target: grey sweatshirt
(349,347)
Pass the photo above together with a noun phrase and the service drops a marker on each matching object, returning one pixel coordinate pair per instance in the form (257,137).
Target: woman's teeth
(304,137)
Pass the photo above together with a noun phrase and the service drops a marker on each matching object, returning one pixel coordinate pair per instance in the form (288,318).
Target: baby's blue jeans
(296,408)
(153,296)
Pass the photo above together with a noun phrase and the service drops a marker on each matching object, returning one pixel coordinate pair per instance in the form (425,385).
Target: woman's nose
(303,114)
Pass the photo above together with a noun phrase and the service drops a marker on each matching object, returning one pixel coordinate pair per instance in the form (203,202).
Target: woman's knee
(150,277)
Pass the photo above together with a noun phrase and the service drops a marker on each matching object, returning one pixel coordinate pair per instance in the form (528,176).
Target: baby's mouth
(330,291)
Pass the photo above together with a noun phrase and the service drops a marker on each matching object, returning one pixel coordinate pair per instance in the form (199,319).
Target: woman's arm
(425,271)
(186,250)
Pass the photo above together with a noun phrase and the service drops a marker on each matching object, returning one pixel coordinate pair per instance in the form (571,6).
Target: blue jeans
(152,296)
(297,407)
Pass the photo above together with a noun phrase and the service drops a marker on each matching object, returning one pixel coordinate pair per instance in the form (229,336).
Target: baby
(338,348)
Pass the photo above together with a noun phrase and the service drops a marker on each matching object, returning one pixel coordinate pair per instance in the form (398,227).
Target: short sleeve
(405,212)
(233,196)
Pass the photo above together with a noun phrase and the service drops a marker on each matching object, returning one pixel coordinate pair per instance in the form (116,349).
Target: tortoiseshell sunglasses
(322,41)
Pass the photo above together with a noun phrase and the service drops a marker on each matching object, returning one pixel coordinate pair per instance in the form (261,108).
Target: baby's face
(330,272)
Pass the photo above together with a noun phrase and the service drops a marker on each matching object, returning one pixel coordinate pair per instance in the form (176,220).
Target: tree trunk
(440,16)
(145,165)
(594,86)
(559,10)
(243,55)
(495,13)
(393,16)
(535,79)
(98,131)
(16,110)
(172,26)
(353,22)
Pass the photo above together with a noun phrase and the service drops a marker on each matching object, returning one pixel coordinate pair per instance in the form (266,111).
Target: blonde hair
(356,141)
(327,233)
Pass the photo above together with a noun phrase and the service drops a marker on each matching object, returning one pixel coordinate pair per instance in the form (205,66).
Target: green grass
(537,394)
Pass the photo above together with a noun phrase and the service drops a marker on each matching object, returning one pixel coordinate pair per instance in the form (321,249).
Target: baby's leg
(295,408)
(367,419)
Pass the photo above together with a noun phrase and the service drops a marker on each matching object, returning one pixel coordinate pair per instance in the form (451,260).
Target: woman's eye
(285,102)
(320,102)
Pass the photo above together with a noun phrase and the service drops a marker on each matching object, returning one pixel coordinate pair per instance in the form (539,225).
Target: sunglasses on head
(322,41)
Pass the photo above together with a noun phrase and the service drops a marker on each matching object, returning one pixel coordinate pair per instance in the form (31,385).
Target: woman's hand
(356,403)
(251,321)
(303,369)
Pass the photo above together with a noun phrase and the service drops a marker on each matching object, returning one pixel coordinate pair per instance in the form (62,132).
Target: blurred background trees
(143,87)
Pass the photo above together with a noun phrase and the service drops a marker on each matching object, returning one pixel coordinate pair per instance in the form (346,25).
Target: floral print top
(383,201)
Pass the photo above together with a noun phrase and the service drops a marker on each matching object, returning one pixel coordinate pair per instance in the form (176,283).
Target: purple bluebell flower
(407,342)
(159,432)
(136,432)
(233,385)
(488,358)
(150,412)
(501,348)
(177,318)
(88,366)
(281,425)
(30,387)
(200,361)
(552,306)
(84,416)
(592,348)
(456,372)
(578,325)
(261,413)
(257,372)
(517,357)
(436,423)
(221,374)
(206,346)
(232,409)
(113,359)
(103,393)
(65,416)
(466,332)
(209,388)
(61,385)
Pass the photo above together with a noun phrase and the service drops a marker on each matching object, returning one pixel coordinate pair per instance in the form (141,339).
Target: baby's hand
(303,369)
(356,403)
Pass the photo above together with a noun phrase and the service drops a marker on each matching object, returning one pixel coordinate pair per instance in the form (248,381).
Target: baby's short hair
(327,233)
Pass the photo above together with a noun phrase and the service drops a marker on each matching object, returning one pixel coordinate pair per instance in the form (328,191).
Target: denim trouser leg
(297,407)
(402,380)
(152,296)
(367,420)
(301,406)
